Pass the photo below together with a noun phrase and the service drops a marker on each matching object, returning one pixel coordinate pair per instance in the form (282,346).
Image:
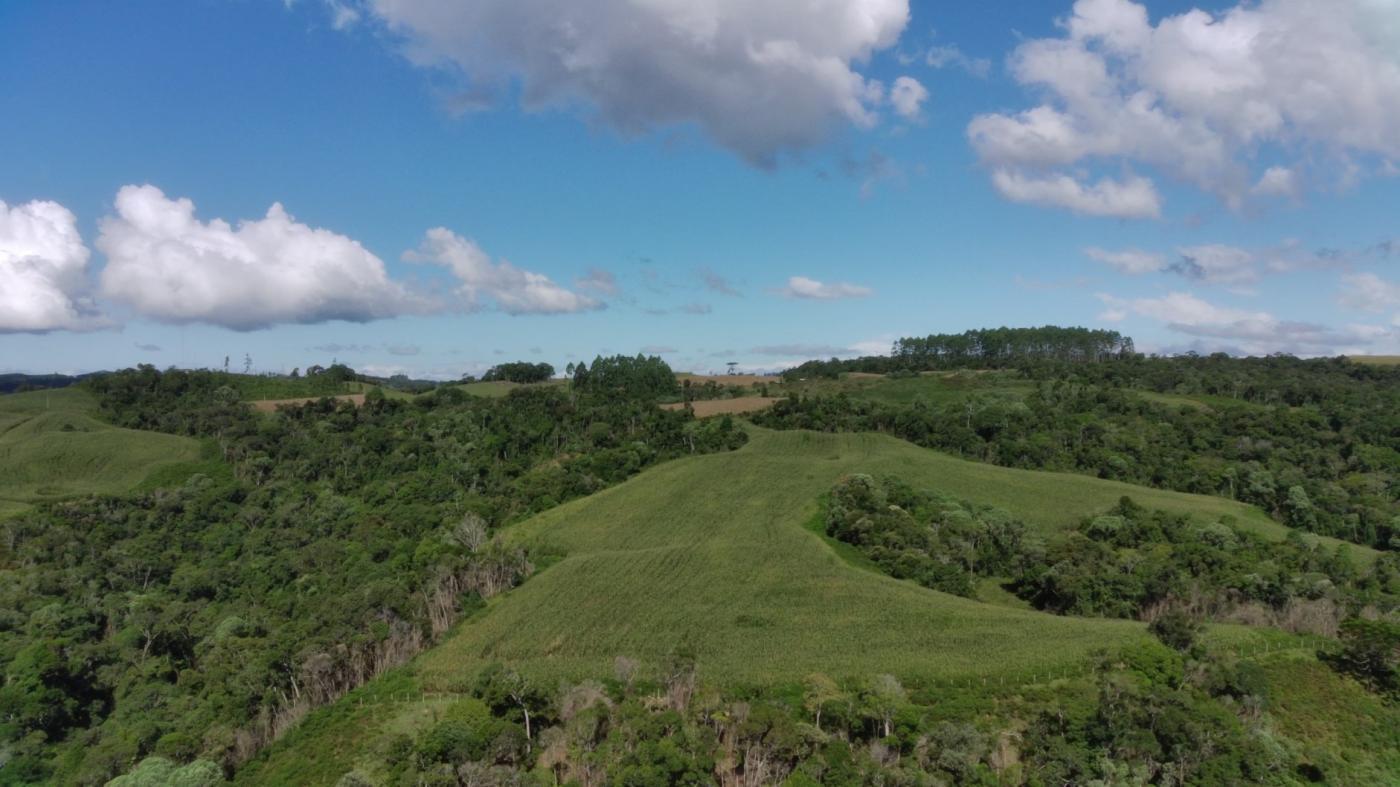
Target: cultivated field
(709,407)
(52,448)
(1377,360)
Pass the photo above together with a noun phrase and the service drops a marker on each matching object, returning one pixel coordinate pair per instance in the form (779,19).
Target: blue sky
(703,179)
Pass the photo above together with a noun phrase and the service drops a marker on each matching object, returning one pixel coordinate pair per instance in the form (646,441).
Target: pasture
(711,553)
(51,448)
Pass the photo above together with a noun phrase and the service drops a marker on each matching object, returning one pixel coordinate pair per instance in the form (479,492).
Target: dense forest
(1129,562)
(522,372)
(992,348)
(1314,443)
(315,549)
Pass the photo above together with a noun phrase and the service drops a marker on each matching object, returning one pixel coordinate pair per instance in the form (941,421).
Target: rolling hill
(51,447)
(713,553)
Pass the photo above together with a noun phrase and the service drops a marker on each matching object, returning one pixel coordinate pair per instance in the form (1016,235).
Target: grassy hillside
(717,554)
(51,448)
(711,553)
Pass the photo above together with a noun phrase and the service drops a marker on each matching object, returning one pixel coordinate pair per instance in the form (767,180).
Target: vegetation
(1129,563)
(53,448)
(333,543)
(509,582)
(995,348)
(522,372)
(1315,444)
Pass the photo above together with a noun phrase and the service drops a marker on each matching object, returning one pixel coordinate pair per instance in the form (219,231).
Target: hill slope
(711,552)
(51,448)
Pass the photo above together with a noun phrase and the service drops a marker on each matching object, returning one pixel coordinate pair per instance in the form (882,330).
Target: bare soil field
(746,404)
(271,405)
(731,379)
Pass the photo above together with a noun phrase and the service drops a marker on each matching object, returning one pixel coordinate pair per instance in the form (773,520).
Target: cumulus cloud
(1133,197)
(514,290)
(907,96)
(1133,262)
(1199,96)
(803,287)
(758,78)
(43,270)
(169,266)
(1252,332)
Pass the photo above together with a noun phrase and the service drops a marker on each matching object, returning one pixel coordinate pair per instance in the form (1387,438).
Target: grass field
(52,448)
(1376,360)
(711,552)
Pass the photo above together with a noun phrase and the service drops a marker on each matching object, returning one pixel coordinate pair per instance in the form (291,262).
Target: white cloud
(950,55)
(1251,332)
(1132,198)
(907,96)
(171,267)
(43,270)
(1198,96)
(1133,262)
(758,78)
(1217,264)
(516,291)
(1369,292)
(803,287)
(1277,182)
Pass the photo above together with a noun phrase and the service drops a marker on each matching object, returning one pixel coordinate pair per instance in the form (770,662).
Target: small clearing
(744,404)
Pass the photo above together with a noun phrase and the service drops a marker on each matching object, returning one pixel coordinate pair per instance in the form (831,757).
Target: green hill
(712,554)
(51,447)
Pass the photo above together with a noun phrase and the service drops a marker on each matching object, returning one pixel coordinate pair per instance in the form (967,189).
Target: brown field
(731,379)
(746,404)
(1376,360)
(271,405)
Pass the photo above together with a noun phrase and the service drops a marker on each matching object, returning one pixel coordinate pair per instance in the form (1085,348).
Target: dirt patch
(746,404)
(731,379)
(271,405)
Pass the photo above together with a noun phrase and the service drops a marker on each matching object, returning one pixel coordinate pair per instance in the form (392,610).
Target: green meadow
(52,447)
(712,553)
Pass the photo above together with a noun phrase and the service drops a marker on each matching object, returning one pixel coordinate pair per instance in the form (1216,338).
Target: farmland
(52,447)
(713,550)
(738,406)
